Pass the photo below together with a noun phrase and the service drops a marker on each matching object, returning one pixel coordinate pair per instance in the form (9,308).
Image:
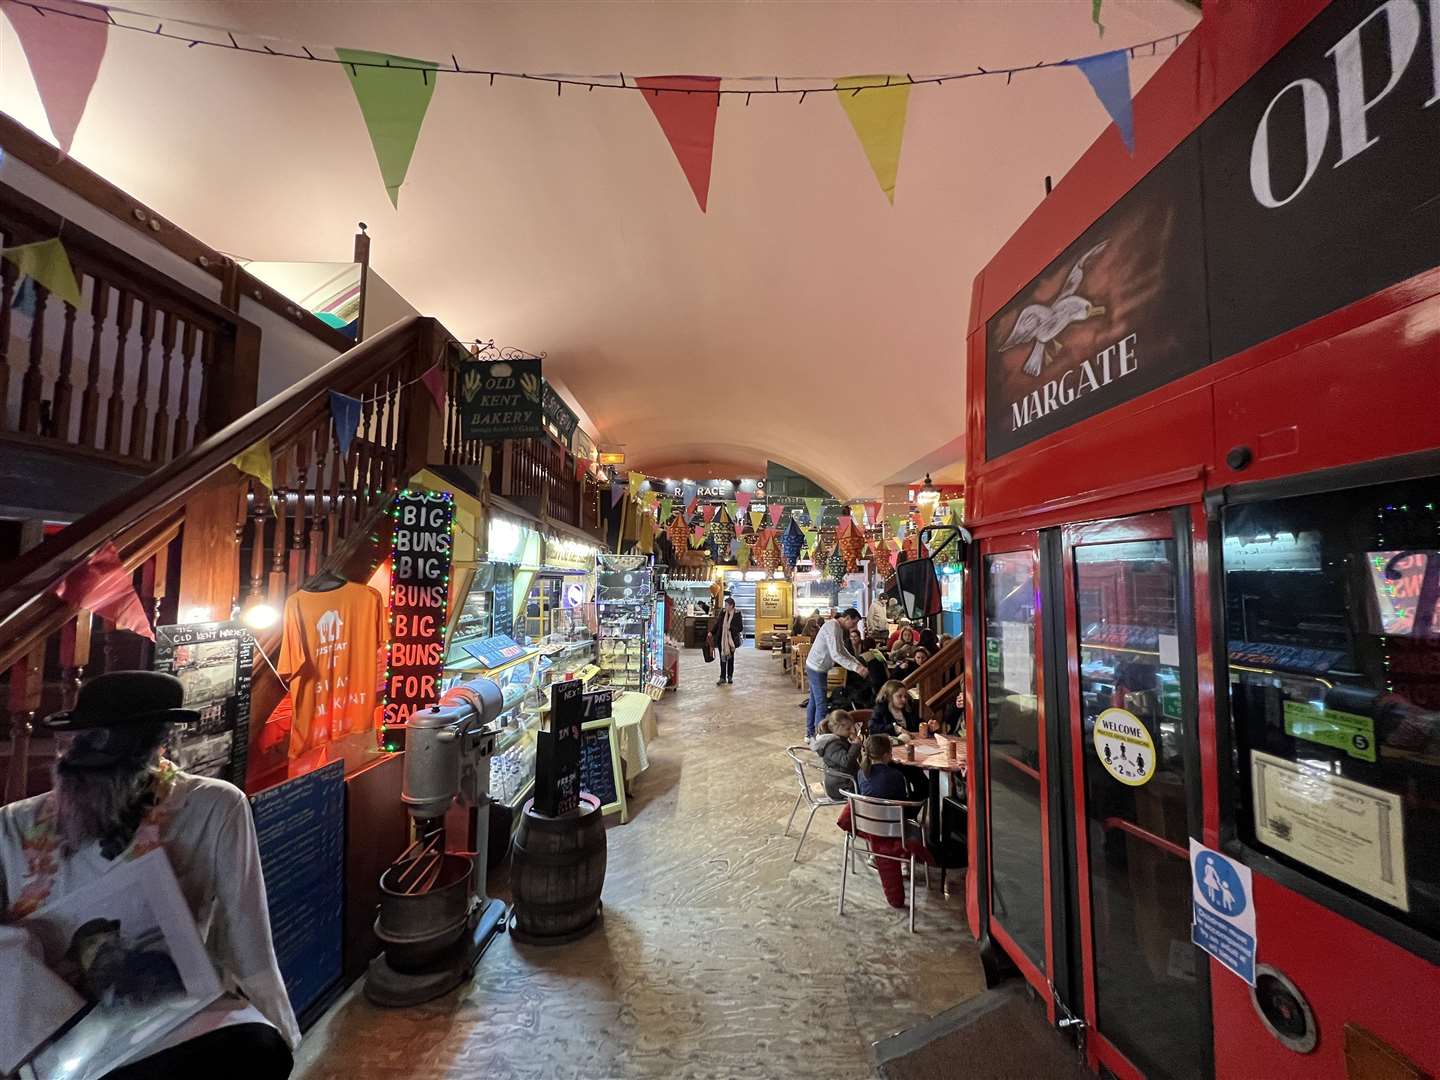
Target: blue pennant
(1109,76)
(345,411)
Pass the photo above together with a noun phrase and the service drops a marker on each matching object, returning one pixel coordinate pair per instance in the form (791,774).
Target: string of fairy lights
(236,40)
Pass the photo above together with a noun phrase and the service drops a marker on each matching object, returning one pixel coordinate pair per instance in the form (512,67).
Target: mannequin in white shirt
(116,798)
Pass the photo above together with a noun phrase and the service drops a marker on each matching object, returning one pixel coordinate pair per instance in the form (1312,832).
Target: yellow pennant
(636,480)
(46,262)
(877,113)
(256,462)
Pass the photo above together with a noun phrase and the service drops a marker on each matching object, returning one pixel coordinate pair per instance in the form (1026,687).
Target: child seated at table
(837,743)
(880,778)
(896,713)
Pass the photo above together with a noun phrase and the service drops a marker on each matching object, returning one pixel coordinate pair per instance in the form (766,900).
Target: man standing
(726,632)
(830,648)
(877,619)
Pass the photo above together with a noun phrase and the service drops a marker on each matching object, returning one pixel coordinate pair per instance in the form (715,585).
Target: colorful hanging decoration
(877,113)
(742,503)
(666,506)
(686,107)
(256,462)
(775,511)
(957,511)
(434,380)
(742,556)
(814,508)
(756,517)
(64,48)
(46,262)
(393,101)
(697,536)
(1095,16)
(636,481)
(103,586)
(708,512)
(835,566)
(767,551)
(791,544)
(1109,76)
(851,543)
(722,533)
(345,414)
(679,533)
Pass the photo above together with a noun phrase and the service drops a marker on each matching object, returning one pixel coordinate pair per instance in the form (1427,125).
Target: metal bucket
(418,928)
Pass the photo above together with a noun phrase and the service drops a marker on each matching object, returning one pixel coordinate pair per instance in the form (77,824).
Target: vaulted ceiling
(803,318)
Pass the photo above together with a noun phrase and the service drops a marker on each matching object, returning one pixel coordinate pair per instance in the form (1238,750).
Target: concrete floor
(719,957)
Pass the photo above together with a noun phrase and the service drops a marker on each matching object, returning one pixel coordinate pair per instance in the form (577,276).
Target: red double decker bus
(1204,485)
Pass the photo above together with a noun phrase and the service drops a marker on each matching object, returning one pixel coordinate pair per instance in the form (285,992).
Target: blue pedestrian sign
(1223,909)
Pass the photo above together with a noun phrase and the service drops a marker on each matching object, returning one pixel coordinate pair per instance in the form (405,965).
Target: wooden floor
(719,956)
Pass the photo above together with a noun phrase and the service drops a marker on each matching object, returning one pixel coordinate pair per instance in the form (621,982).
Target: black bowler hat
(121,698)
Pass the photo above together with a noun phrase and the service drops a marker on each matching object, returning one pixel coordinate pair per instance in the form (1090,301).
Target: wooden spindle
(115,411)
(27,677)
(64,383)
(323,458)
(32,386)
(90,396)
(360,489)
(259,511)
(276,585)
(333,510)
(207,368)
(7,289)
(74,656)
(140,417)
(182,419)
(296,568)
(160,449)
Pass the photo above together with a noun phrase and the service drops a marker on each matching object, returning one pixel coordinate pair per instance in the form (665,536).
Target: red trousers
(891,879)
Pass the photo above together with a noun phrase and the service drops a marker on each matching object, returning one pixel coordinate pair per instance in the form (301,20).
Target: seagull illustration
(1043,323)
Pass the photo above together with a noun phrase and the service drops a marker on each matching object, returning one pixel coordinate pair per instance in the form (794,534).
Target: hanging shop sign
(213,661)
(1118,314)
(501,399)
(1222,909)
(558,415)
(1124,747)
(419,598)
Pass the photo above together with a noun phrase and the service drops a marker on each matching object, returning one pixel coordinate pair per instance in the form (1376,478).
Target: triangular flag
(102,585)
(665,507)
(393,101)
(64,54)
(872,514)
(957,507)
(844,525)
(896,523)
(1109,76)
(1095,15)
(25,298)
(636,481)
(434,380)
(617,491)
(878,117)
(686,106)
(688,492)
(345,411)
(47,263)
(734,508)
(814,507)
(742,556)
(756,516)
(742,501)
(698,535)
(690,509)
(775,511)
(735,547)
(256,462)
(645,544)
(708,512)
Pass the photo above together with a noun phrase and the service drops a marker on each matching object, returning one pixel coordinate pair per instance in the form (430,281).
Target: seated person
(896,713)
(904,634)
(929,642)
(880,778)
(116,798)
(838,743)
(953,722)
(909,663)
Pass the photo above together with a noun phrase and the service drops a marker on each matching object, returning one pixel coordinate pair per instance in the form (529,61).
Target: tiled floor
(719,957)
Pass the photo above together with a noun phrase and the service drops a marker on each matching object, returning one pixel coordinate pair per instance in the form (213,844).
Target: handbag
(708,649)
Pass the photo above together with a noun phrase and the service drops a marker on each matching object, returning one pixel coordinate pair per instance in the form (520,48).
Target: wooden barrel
(557,874)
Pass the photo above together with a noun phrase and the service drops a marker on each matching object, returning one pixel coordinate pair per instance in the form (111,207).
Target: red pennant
(708,512)
(686,106)
(64,48)
(775,511)
(742,500)
(845,524)
(106,588)
(434,381)
(872,513)
(690,508)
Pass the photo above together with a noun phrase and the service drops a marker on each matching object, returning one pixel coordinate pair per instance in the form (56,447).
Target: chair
(886,818)
(800,757)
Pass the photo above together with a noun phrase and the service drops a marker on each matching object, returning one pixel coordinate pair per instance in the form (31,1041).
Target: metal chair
(800,757)
(886,818)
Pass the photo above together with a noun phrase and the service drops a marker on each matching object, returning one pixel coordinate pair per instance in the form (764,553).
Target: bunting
(256,462)
(686,107)
(393,104)
(1109,76)
(878,116)
(814,507)
(775,511)
(742,502)
(46,262)
(617,492)
(872,514)
(103,586)
(637,480)
(756,517)
(957,508)
(64,53)
(666,504)
(345,413)
(708,512)
(742,557)
(434,380)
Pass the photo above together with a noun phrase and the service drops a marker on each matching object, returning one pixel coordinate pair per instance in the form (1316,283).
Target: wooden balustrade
(140,370)
(940,678)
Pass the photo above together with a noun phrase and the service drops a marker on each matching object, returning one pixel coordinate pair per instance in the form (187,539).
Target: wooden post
(209,553)
(422,426)
(362,256)
(232,378)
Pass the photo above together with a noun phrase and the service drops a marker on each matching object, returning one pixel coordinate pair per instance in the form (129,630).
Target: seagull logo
(1039,325)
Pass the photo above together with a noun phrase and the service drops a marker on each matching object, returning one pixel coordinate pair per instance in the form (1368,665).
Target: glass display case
(624,599)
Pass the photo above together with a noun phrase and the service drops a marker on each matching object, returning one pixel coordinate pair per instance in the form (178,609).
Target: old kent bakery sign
(1320,187)
(501,399)
(1116,315)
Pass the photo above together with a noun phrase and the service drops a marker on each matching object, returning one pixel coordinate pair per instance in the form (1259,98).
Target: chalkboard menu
(419,597)
(557,755)
(597,765)
(300,826)
(214,662)
(502,605)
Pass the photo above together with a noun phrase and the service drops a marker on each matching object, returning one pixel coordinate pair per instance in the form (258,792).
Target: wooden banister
(939,677)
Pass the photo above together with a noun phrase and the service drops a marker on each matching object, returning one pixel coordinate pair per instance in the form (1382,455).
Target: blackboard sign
(557,752)
(501,399)
(559,415)
(598,704)
(502,606)
(419,597)
(214,661)
(597,766)
(300,827)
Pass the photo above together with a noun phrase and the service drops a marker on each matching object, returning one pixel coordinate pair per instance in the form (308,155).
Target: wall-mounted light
(611,457)
(259,616)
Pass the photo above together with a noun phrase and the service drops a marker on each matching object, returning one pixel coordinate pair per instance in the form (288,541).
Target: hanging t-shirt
(329,656)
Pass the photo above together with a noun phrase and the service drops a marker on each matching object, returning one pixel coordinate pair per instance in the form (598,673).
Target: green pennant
(664,508)
(1095,15)
(813,507)
(742,556)
(46,262)
(393,102)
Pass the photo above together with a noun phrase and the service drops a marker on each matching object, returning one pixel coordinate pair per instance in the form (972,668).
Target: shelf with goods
(625,606)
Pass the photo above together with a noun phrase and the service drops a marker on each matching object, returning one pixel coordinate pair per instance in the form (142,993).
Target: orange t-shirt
(329,656)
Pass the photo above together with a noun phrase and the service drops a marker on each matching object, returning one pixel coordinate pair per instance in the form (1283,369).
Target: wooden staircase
(939,679)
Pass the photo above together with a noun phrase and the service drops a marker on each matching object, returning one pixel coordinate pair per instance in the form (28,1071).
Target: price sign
(419,598)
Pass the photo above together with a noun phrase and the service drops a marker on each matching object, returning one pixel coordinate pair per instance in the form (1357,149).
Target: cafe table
(931,755)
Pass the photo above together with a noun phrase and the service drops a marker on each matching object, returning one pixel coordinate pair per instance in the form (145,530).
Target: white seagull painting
(1041,324)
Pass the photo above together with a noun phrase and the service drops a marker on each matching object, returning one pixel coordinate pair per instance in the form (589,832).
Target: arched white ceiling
(802,319)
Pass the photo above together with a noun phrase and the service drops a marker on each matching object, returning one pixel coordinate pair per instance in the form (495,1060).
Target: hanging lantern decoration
(767,551)
(679,533)
(852,546)
(881,561)
(790,546)
(835,566)
(722,532)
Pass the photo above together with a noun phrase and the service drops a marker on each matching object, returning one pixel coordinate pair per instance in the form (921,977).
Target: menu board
(214,662)
(557,759)
(300,828)
(597,765)
(502,603)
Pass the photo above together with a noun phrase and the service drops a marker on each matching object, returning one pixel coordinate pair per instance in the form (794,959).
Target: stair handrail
(28,579)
